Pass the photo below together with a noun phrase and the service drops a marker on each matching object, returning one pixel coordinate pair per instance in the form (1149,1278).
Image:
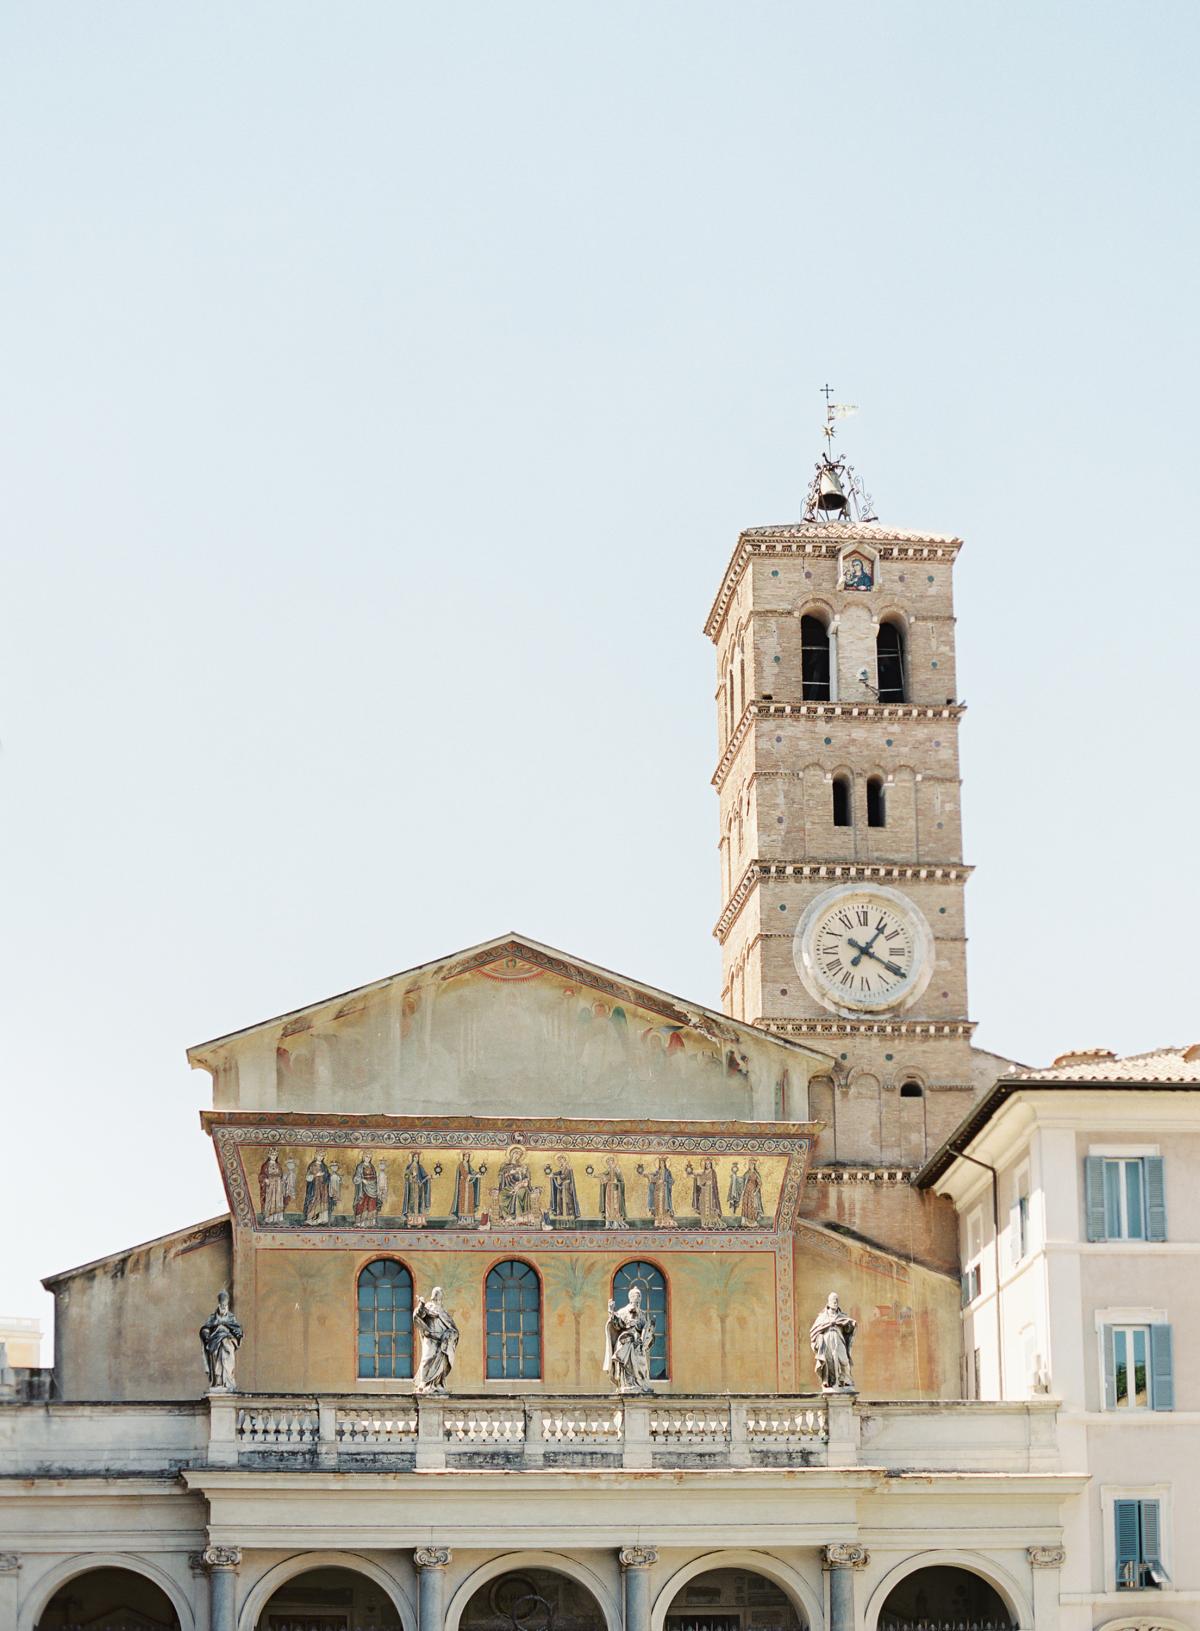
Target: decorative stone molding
(9,1563)
(842,1555)
(833,872)
(638,1557)
(222,1557)
(873,1027)
(196,1563)
(823,539)
(433,1557)
(862,1175)
(1046,1557)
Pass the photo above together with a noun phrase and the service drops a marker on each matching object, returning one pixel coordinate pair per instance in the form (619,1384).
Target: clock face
(863,950)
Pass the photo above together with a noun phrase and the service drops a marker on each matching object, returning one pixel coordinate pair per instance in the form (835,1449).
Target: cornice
(826,540)
(831,872)
(964,1028)
(882,712)
(861,1175)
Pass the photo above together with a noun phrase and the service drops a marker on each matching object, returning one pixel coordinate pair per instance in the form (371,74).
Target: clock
(863,949)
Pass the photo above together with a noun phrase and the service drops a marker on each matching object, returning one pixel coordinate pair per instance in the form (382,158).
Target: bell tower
(842,877)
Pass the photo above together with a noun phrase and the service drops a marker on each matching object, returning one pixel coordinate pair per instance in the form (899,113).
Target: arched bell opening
(733,1600)
(329,1599)
(109,1600)
(532,1599)
(941,1597)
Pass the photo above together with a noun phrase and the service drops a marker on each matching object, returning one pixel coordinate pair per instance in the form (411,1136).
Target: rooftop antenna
(836,493)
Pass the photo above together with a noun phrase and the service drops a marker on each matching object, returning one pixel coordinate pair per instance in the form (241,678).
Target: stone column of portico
(222,1563)
(636,1563)
(841,1560)
(432,1563)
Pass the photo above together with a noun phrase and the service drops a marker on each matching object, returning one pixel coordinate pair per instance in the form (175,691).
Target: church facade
(546,1300)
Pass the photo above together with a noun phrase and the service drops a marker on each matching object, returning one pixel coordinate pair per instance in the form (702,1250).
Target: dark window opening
(912,1090)
(876,808)
(814,660)
(889,656)
(841,801)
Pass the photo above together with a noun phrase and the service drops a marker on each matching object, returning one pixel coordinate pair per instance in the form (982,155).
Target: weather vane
(836,493)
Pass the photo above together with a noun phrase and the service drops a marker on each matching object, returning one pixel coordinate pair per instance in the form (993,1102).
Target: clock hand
(865,951)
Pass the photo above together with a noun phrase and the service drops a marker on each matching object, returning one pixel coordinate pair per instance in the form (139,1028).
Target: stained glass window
(653,1287)
(514,1322)
(385,1319)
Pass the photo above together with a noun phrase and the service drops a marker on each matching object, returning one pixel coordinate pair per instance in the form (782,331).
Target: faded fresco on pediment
(511,1032)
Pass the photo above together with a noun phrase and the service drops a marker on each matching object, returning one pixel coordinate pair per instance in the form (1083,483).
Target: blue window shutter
(1093,1183)
(1151,1544)
(1128,1542)
(1156,1198)
(1110,1380)
(1162,1380)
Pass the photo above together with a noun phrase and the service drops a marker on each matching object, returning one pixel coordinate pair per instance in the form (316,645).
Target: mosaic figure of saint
(612,1194)
(370,1190)
(564,1202)
(276,1187)
(318,1197)
(749,1207)
(660,1182)
(706,1195)
(465,1205)
(513,1186)
(416,1192)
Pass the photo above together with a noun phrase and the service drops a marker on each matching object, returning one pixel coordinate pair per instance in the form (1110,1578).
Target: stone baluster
(222,1563)
(431,1563)
(840,1561)
(636,1563)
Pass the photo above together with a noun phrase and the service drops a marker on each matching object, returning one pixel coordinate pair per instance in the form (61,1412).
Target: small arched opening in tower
(889,656)
(814,659)
(841,802)
(876,804)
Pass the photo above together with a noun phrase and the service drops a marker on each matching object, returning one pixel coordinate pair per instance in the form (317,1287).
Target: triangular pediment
(509,1027)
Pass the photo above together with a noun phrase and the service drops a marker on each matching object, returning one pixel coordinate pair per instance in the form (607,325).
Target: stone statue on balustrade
(439,1341)
(832,1336)
(221,1337)
(628,1338)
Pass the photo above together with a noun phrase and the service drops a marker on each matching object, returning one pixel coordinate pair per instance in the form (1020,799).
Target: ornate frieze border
(861,1175)
(833,871)
(881,711)
(825,541)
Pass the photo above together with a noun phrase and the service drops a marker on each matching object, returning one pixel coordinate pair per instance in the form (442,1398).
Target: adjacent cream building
(541,1137)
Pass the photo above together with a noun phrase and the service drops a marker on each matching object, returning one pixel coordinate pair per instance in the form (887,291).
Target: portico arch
(82,1563)
(1002,1583)
(795,1588)
(267,1585)
(514,1562)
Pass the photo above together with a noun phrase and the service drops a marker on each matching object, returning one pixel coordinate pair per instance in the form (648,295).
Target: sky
(383,389)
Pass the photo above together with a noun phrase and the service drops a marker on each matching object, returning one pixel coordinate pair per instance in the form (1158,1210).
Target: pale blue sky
(383,389)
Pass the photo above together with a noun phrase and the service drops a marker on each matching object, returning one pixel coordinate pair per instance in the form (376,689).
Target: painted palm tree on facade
(721,1287)
(580,1285)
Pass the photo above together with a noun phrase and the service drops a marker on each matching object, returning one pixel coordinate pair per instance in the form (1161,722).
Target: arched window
(841,801)
(653,1287)
(742,674)
(514,1322)
(814,660)
(912,1090)
(889,661)
(876,808)
(385,1327)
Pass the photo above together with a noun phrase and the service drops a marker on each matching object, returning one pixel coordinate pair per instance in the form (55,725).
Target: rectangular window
(1138,1367)
(1126,1197)
(1020,1216)
(1139,1546)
